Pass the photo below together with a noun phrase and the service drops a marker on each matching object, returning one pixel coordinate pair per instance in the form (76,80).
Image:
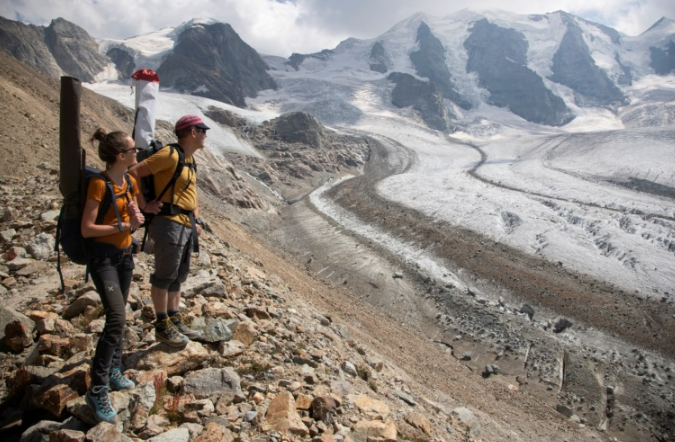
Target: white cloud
(282,27)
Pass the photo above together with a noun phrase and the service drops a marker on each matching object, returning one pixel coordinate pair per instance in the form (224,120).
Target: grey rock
(564,410)
(41,247)
(19,263)
(214,382)
(51,215)
(78,306)
(561,325)
(175,435)
(8,315)
(405,397)
(215,330)
(206,286)
(7,234)
(466,419)
(528,310)
(40,431)
(349,368)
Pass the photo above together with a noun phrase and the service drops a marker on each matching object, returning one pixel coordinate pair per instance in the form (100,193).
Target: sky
(282,27)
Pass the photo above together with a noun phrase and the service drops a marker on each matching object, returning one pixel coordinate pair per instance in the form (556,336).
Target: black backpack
(147,185)
(69,226)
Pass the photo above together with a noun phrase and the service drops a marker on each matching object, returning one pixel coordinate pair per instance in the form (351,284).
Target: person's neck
(116,173)
(188,148)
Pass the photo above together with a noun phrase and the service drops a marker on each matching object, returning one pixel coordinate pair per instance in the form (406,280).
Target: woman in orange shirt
(111,261)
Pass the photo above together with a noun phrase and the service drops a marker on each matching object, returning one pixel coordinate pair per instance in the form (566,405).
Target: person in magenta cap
(175,227)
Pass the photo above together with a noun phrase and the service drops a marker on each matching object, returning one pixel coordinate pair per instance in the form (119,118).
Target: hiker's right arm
(92,230)
(138,171)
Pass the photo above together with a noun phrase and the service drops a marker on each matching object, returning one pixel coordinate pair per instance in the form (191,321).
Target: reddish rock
(245,333)
(420,422)
(55,399)
(67,436)
(323,408)
(53,345)
(215,433)
(18,336)
(282,415)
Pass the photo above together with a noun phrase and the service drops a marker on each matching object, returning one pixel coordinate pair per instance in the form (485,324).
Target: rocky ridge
(298,152)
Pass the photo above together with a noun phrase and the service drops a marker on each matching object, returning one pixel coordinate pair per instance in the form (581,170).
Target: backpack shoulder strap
(179,168)
(130,187)
(109,199)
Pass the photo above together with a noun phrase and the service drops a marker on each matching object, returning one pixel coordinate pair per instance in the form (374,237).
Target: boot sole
(175,344)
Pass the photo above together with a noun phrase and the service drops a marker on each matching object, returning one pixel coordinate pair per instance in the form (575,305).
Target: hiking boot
(97,398)
(120,382)
(179,322)
(167,332)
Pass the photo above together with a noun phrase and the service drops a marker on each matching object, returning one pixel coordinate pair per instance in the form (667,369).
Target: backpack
(74,179)
(69,226)
(147,185)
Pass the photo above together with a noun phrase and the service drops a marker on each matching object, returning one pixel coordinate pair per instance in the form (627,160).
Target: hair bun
(100,134)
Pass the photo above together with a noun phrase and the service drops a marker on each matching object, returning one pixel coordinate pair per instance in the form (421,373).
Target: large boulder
(298,127)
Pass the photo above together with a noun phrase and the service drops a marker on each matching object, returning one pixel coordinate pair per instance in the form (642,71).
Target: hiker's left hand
(153,207)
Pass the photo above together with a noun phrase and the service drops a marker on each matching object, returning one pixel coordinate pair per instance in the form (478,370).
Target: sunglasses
(199,129)
(135,149)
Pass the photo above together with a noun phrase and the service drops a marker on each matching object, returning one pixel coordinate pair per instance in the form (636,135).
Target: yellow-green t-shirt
(163,164)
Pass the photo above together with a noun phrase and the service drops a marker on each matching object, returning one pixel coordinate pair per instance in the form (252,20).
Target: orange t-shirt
(96,191)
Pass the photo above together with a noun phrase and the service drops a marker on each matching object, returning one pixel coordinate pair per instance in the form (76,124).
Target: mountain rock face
(430,62)
(74,50)
(424,97)
(574,67)
(26,44)
(663,59)
(62,48)
(211,60)
(379,62)
(124,62)
(499,57)
(295,60)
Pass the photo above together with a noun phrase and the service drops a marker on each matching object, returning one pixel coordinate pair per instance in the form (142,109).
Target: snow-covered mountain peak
(663,26)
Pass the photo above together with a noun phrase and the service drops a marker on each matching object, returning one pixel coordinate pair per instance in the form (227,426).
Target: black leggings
(112,278)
